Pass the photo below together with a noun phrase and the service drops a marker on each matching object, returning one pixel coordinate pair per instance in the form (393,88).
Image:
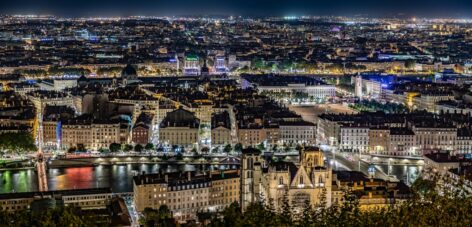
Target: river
(117,177)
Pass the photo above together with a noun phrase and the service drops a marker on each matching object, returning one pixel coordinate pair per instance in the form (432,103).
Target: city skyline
(389,8)
(215,113)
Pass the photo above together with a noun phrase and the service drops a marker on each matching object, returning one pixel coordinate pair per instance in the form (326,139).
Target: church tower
(312,157)
(313,161)
(251,176)
(358,86)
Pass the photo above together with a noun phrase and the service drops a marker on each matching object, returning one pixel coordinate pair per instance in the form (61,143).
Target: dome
(129,72)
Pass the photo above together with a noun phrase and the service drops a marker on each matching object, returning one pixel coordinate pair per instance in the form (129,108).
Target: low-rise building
(355,138)
(142,131)
(180,127)
(379,140)
(251,135)
(371,193)
(297,132)
(83,198)
(92,134)
(402,142)
(221,129)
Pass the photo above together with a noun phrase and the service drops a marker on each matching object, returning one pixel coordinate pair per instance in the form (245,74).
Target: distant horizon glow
(298,8)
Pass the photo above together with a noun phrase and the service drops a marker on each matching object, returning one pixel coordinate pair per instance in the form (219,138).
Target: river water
(117,177)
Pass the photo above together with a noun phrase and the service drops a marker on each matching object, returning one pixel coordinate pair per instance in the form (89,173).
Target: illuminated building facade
(191,65)
(186,194)
(179,127)
(220,64)
(307,181)
(92,135)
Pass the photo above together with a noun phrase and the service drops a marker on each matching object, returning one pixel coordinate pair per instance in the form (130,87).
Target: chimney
(189,176)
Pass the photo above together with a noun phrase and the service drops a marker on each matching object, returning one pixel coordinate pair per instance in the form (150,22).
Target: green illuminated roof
(191,57)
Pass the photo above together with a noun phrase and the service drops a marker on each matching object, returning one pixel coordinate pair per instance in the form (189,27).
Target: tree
(63,216)
(437,203)
(72,149)
(102,150)
(205,217)
(286,211)
(159,217)
(299,148)
(149,146)
(238,147)
(127,147)
(138,148)
(179,156)
(115,147)
(258,64)
(227,148)
(261,146)
(232,215)
(17,142)
(287,148)
(175,148)
(205,150)
(410,64)
(81,147)
(306,217)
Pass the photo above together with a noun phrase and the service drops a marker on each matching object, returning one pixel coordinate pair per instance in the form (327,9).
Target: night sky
(450,8)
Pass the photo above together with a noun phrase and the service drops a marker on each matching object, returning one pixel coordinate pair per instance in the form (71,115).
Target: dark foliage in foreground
(429,205)
(67,216)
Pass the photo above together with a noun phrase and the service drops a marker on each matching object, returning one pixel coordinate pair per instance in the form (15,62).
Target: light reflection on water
(118,177)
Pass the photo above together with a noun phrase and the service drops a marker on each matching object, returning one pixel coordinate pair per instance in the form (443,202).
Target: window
(301,180)
(281,180)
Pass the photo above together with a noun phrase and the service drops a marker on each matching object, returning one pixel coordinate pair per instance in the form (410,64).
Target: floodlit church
(309,180)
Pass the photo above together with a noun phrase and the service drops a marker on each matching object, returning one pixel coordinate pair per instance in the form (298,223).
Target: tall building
(358,86)
(251,177)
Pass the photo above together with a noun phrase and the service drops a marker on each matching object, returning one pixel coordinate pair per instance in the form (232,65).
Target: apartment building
(186,193)
(180,127)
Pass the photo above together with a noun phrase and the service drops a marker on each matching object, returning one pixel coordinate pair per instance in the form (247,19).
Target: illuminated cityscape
(241,117)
